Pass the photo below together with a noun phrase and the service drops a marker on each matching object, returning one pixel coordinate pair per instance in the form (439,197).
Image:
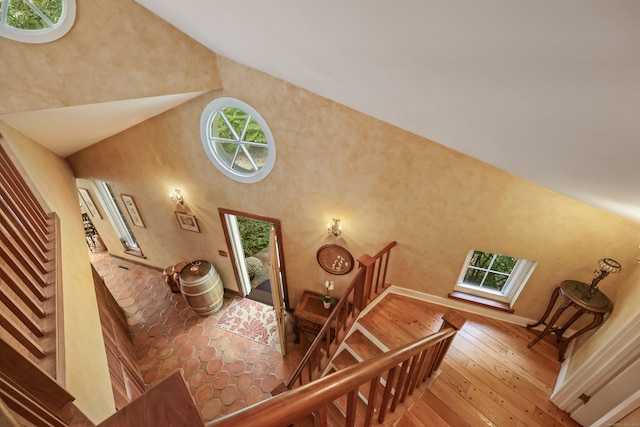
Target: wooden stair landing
(489,376)
(397,320)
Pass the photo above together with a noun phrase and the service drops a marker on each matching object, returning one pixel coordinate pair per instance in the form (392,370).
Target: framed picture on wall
(187,222)
(131,207)
(87,201)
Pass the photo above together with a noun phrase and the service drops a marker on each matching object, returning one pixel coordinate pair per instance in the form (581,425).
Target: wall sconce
(176,197)
(335,228)
(607,266)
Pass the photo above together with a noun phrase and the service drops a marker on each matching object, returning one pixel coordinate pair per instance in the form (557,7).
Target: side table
(310,315)
(574,294)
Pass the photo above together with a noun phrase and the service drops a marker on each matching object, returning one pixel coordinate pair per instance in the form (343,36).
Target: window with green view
(36,21)
(237,140)
(494,276)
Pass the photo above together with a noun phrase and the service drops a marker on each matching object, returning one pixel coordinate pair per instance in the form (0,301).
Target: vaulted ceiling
(547,90)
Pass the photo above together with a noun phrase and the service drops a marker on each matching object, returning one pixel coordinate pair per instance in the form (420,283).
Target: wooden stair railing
(367,284)
(32,371)
(403,370)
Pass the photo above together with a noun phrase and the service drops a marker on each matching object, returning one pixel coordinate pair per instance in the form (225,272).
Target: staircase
(376,354)
(390,322)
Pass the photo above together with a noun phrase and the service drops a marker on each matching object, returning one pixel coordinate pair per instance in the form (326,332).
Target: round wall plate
(335,259)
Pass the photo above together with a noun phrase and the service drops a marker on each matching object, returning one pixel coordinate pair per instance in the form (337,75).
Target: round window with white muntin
(36,21)
(237,140)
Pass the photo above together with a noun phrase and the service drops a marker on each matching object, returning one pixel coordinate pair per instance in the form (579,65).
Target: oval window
(237,140)
(36,21)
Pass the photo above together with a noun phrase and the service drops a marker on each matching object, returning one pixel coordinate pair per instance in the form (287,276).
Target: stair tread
(363,345)
(344,359)
(394,321)
(398,320)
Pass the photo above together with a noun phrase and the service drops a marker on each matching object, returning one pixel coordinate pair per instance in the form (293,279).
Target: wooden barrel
(201,287)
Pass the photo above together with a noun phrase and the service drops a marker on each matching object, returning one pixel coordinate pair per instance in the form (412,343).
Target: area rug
(249,319)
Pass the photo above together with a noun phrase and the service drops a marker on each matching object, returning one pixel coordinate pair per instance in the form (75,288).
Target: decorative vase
(327,304)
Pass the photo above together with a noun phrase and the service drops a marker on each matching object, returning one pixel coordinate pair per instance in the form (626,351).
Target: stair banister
(341,309)
(362,290)
(419,360)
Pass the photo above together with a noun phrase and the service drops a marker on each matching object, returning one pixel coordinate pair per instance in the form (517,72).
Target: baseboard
(462,306)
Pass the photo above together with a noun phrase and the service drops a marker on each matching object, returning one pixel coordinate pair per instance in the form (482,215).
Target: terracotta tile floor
(225,372)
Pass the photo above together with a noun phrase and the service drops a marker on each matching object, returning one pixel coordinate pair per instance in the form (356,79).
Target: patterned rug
(249,319)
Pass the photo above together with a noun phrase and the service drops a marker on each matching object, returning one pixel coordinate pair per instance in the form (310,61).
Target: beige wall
(384,183)
(87,374)
(112,53)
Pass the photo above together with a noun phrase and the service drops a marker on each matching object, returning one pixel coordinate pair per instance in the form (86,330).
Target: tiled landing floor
(225,372)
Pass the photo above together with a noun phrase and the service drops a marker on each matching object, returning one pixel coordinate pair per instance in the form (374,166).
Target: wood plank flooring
(489,376)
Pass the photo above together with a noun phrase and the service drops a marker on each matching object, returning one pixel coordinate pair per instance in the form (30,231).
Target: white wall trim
(613,356)
(462,306)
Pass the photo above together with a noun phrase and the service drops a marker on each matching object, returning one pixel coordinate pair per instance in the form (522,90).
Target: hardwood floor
(490,377)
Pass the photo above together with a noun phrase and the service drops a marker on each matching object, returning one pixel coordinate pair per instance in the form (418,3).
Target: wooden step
(398,320)
(362,345)
(344,359)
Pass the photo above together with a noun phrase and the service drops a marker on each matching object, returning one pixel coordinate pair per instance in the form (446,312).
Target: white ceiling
(547,90)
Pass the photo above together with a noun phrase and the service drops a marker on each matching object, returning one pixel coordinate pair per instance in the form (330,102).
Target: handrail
(356,297)
(338,317)
(404,368)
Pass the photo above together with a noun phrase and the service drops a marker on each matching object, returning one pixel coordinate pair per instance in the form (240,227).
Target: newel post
(451,319)
(363,287)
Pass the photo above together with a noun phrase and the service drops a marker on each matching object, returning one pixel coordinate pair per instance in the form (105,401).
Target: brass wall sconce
(176,197)
(335,228)
(606,266)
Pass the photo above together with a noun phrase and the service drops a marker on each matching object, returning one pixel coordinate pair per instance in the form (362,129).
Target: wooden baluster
(320,417)
(428,365)
(405,389)
(386,396)
(399,385)
(20,233)
(371,406)
(20,263)
(352,401)
(23,188)
(416,371)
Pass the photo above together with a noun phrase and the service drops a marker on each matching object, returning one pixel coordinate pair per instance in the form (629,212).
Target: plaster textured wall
(112,53)
(384,183)
(87,373)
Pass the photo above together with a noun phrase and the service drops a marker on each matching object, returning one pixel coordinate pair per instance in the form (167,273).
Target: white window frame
(518,277)
(211,142)
(44,35)
(117,219)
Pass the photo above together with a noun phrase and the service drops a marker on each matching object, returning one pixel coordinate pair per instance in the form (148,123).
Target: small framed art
(187,222)
(88,203)
(130,204)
